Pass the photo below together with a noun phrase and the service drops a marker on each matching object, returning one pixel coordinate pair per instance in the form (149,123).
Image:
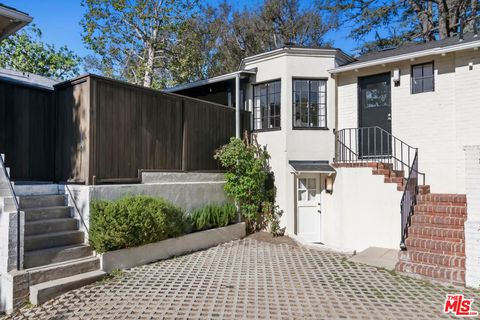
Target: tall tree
(132,39)
(218,38)
(396,22)
(24,51)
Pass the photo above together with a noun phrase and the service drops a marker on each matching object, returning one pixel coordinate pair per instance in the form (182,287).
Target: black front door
(375,109)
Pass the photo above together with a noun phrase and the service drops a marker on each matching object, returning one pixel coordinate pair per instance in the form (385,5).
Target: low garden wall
(131,257)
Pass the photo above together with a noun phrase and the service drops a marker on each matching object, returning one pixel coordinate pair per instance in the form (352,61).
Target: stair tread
(43,257)
(56,282)
(63,263)
(44,208)
(53,234)
(51,220)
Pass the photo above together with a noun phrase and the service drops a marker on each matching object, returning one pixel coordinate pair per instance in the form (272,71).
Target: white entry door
(308,208)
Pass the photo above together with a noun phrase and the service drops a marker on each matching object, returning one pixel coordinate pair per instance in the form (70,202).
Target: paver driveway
(251,279)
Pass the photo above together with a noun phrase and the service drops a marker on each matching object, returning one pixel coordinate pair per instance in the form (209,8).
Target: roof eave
(223,77)
(412,55)
(18,20)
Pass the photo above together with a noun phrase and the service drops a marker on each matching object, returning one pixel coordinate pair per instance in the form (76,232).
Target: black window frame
(268,84)
(294,126)
(423,77)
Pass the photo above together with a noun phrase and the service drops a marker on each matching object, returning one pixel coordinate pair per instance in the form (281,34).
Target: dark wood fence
(27,131)
(108,130)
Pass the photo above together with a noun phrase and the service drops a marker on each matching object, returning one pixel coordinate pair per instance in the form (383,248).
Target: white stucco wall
(439,123)
(289,144)
(363,211)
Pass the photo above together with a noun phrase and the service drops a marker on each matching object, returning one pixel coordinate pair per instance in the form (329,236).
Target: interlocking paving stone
(250,279)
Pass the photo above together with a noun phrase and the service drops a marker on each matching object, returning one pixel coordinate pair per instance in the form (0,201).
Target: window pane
(309,104)
(312,184)
(376,95)
(416,86)
(417,72)
(428,84)
(302,183)
(302,195)
(427,70)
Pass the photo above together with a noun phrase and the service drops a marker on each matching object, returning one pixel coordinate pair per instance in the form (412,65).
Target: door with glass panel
(308,207)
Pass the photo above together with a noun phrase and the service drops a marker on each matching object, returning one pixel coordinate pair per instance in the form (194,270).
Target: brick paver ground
(252,279)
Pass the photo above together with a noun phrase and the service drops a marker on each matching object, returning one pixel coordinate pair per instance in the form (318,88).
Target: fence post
(184,139)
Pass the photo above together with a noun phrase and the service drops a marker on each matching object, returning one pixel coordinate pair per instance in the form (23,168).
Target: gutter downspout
(237,106)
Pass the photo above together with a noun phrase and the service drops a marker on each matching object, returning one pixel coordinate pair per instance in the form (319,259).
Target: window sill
(311,128)
(267,130)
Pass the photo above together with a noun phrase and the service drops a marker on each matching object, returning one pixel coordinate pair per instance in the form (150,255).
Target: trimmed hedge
(213,216)
(133,221)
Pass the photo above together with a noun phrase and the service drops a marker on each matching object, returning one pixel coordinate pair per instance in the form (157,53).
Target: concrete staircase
(55,254)
(436,238)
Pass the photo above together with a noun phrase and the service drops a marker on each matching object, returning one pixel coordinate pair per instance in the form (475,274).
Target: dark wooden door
(375,115)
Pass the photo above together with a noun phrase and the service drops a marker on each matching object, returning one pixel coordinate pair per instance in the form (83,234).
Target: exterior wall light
(329,184)
(396,77)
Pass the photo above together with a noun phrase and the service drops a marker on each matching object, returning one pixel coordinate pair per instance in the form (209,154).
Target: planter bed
(132,257)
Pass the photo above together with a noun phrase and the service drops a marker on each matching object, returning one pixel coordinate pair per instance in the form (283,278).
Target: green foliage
(213,216)
(247,178)
(133,221)
(24,51)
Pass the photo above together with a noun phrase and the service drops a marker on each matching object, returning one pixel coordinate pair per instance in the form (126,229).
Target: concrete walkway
(253,278)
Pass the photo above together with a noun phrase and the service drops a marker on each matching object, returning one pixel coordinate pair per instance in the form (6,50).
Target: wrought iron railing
(374,144)
(77,209)
(17,207)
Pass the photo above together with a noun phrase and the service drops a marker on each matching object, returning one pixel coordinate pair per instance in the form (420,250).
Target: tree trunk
(443,23)
(149,67)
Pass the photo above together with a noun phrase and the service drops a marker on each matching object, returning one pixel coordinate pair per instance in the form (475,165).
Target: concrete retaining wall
(131,257)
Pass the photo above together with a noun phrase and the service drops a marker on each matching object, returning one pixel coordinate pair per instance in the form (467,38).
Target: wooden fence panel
(27,131)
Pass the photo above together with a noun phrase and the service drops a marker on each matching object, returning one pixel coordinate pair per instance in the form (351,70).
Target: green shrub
(133,221)
(213,216)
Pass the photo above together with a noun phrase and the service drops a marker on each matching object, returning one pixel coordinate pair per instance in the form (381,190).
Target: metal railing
(17,207)
(76,208)
(374,144)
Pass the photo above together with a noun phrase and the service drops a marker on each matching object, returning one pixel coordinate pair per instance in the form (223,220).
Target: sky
(59,22)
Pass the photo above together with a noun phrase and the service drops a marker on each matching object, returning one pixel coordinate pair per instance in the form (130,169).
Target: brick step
(438,221)
(388,173)
(444,209)
(397,180)
(435,246)
(455,276)
(432,232)
(440,197)
(423,189)
(449,204)
(434,259)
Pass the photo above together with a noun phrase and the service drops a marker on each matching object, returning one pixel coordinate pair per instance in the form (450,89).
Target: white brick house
(307,107)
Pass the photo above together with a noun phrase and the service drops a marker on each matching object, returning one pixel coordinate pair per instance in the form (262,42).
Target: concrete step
(439,221)
(63,269)
(42,292)
(455,276)
(50,225)
(55,239)
(9,204)
(54,255)
(34,214)
(42,201)
(434,259)
(36,189)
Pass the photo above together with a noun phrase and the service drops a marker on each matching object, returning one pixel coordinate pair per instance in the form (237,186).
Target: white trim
(17,21)
(411,55)
(223,77)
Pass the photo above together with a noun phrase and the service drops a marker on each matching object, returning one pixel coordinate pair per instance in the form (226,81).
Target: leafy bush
(133,221)
(247,182)
(213,216)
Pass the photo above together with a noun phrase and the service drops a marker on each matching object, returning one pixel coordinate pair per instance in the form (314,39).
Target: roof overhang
(299,51)
(310,166)
(407,56)
(223,77)
(11,21)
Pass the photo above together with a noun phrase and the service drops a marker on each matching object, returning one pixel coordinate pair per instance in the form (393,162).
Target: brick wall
(472,225)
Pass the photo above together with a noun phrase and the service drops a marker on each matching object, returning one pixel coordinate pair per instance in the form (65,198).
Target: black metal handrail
(76,208)
(409,200)
(374,144)
(17,207)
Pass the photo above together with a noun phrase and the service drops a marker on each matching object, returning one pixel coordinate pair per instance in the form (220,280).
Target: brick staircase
(436,238)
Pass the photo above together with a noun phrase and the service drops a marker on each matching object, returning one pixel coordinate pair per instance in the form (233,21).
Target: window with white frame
(309,103)
(266,105)
(423,78)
